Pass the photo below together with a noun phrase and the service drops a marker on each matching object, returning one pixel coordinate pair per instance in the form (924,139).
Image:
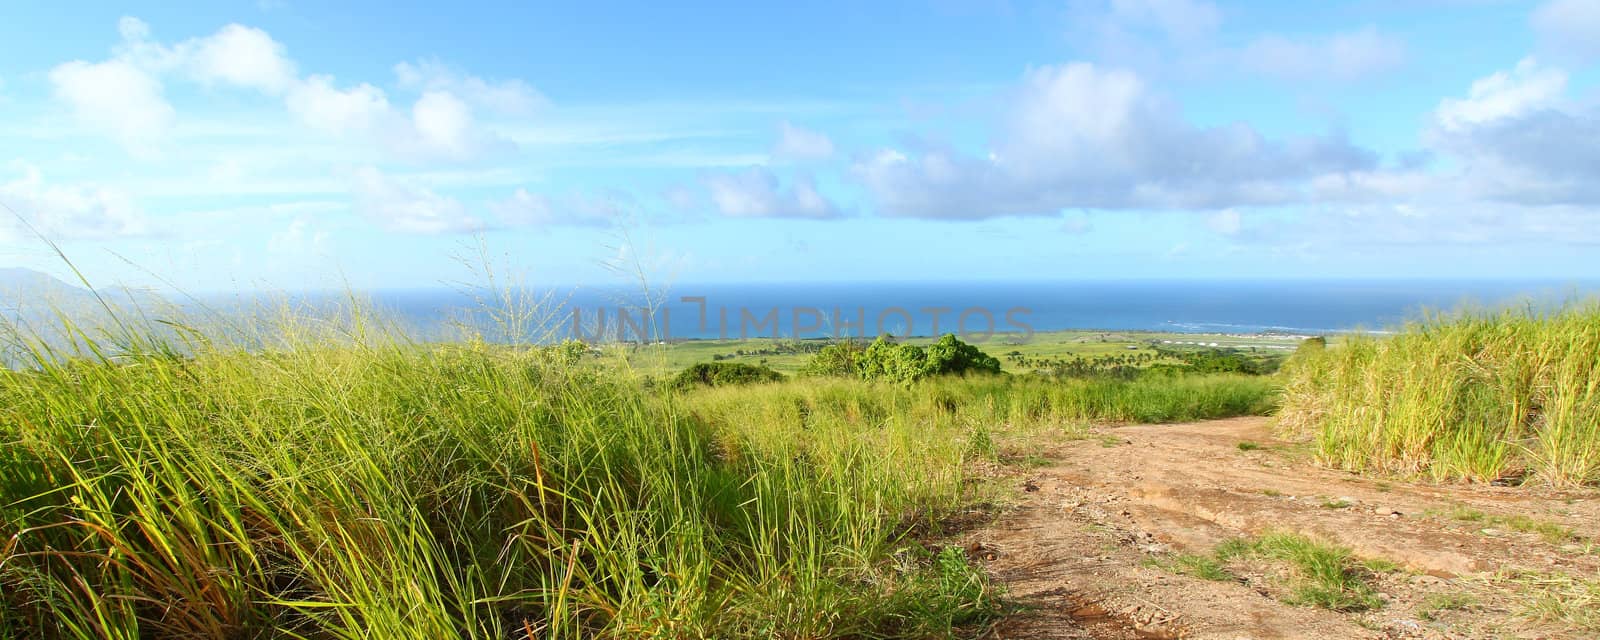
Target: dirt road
(1089,549)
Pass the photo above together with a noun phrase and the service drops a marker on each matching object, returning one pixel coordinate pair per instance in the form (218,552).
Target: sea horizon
(797,310)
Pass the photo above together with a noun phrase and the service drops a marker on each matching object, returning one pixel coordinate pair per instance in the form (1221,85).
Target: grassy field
(1510,395)
(787,356)
(335,481)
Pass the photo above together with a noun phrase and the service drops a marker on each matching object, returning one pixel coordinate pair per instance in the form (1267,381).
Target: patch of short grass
(1205,567)
(1551,532)
(1380,565)
(1559,599)
(1329,576)
(1248,446)
(1322,574)
(1435,603)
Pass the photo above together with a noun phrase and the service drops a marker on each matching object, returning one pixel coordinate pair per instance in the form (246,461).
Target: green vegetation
(1319,574)
(1473,396)
(900,362)
(1200,566)
(1551,532)
(1326,575)
(1042,354)
(1569,601)
(716,374)
(1221,361)
(330,480)
(1435,603)
(343,484)
(1248,446)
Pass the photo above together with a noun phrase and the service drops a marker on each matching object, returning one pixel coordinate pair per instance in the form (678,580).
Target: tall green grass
(1471,396)
(347,484)
(307,479)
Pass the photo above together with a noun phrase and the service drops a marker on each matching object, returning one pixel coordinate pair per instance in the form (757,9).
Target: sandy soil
(1081,549)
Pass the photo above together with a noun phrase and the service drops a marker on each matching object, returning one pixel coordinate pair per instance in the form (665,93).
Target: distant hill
(23,288)
(32,304)
(28,291)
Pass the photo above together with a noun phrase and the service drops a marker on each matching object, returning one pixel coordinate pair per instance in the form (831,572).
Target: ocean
(792,310)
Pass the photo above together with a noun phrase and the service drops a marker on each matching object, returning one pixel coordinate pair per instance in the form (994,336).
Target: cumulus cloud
(1517,138)
(241,56)
(123,96)
(115,98)
(323,106)
(1520,157)
(1344,56)
(757,193)
(1076,135)
(1569,26)
(444,122)
(1504,95)
(68,212)
(395,205)
(795,143)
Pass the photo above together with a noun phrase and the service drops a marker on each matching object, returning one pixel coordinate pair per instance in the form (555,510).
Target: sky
(288,145)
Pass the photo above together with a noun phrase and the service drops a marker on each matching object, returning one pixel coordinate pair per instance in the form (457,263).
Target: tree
(886,359)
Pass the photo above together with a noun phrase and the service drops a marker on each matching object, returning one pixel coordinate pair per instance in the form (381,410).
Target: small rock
(1030,486)
(1423,579)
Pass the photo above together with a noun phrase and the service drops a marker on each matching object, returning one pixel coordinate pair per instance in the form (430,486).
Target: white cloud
(1343,56)
(241,56)
(319,104)
(115,98)
(1503,95)
(1079,136)
(1569,26)
(1518,138)
(757,193)
(398,206)
(68,212)
(443,122)
(795,143)
(123,96)
(513,97)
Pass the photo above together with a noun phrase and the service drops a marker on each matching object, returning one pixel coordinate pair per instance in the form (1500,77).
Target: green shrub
(716,374)
(904,363)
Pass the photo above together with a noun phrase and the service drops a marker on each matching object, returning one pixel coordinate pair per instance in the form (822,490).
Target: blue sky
(281,144)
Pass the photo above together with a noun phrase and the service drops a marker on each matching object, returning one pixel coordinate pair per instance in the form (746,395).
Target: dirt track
(1081,547)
